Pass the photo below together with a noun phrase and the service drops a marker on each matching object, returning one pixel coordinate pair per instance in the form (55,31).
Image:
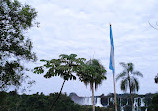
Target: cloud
(82,27)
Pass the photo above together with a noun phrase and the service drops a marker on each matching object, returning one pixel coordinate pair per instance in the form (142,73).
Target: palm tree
(128,79)
(92,73)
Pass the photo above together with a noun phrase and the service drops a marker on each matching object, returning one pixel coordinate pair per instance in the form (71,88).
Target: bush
(154,103)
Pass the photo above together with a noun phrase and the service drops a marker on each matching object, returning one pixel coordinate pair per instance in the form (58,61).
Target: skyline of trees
(40,102)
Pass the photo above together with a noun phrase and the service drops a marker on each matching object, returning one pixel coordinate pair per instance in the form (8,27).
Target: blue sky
(82,27)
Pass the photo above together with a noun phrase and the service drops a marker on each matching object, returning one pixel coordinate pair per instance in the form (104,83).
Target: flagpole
(112,64)
(114,92)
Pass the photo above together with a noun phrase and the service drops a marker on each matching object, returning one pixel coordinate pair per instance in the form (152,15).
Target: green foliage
(39,102)
(154,103)
(155,99)
(123,101)
(148,98)
(128,79)
(3,98)
(67,65)
(92,73)
(15,18)
(64,67)
(143,108)
(89,108)
(128,108)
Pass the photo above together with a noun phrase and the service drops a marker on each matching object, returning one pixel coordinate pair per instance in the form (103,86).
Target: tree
(65,67)
(92,73)
(15,19)
(154,103)
(128,79)
(156,79)
(41,102)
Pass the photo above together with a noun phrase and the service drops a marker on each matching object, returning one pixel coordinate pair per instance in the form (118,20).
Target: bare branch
(153,26)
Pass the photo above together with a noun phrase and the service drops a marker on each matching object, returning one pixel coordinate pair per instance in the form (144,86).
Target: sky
(82,27)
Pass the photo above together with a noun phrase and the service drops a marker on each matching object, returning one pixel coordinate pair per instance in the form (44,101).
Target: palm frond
(123,65)
(92,72)
(130,67)
(98,81)
(121,75)
(137,73)
(124,84)
(86,83)
(96,85)
(134,85)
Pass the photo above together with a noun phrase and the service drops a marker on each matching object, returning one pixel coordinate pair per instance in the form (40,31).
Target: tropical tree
(92,73)
(15,20)
(65,67)
(128,79)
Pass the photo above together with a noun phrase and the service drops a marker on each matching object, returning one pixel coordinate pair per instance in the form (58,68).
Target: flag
(112,63)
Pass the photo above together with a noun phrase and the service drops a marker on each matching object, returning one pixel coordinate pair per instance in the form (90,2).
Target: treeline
(39,102)
(12,101)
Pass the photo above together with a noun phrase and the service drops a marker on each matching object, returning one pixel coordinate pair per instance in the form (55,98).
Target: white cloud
(82,27)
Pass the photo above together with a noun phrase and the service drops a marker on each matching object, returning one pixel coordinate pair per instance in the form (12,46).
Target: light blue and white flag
(112,63)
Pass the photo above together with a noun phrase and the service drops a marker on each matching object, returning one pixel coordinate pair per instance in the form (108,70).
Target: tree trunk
(51,108)
(132,100)
(130,92)
(93,96)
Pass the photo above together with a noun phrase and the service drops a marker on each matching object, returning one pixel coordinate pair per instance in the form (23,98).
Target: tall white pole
(112,64)
(114,92)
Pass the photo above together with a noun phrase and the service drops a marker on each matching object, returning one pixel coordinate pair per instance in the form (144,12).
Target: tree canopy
(15,19)
(92,73)
(39,102)
(66,66)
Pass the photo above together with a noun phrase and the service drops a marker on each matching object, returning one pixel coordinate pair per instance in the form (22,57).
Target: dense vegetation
(15,19)
(39,102)
(154,103)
